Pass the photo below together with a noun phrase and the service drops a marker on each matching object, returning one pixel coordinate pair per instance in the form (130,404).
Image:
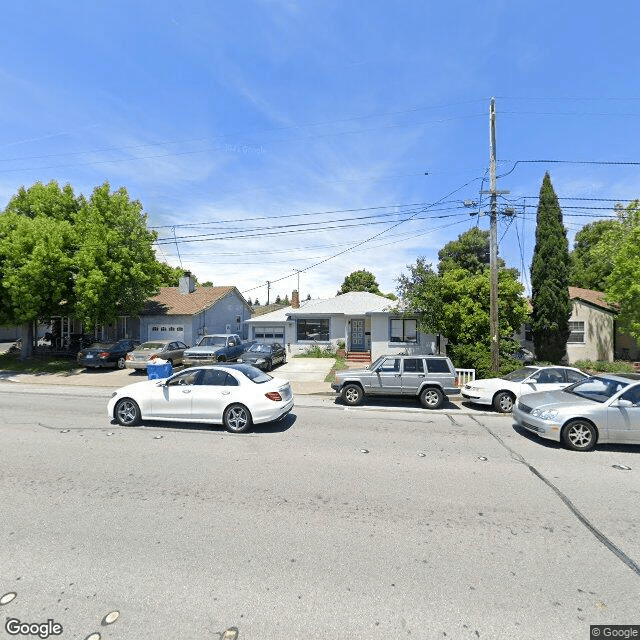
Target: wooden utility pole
(493,241)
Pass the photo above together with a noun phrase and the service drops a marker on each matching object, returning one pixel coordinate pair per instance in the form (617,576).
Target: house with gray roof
(365,322)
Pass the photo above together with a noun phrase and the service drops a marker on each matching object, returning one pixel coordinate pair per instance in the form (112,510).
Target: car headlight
(260,361)
(545,414)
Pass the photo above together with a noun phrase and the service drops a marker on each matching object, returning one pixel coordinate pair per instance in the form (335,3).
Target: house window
(404,330)
(154,328)
(577,332)
(238,319)
(316,329)
(163,328)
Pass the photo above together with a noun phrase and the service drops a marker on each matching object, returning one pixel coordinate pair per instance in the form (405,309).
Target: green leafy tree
(622,285)
(362,280)
(116,268)
(550,279)
(37,249)
(591,258)
(170,276)
(454,301)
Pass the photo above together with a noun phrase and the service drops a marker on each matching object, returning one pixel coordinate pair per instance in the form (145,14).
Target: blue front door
(357,335)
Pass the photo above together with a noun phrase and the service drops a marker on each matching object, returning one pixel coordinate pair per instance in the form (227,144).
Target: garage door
(166,332)
(269,334)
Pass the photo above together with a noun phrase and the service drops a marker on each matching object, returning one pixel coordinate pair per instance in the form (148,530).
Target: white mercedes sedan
(502,393)
(235,395)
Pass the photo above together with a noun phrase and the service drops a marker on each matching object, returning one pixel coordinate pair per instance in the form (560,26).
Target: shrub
(603,366)
(316,351)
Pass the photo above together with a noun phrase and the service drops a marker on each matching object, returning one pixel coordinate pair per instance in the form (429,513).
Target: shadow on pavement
(279,426)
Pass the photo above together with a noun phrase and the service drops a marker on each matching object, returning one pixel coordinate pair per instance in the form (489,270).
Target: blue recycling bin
(156,371)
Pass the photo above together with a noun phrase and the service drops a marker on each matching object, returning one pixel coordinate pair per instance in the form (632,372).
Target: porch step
(359,357)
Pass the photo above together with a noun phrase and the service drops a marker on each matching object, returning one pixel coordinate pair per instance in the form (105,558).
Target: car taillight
(274,395)
(456,382)
(129,356)
(104,354)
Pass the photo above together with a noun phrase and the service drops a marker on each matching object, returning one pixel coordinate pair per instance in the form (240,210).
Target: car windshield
(519,374)
(376,362)
(105,346)
(255,375)
(597,389)
(150,346)
(260,348)
(212,341)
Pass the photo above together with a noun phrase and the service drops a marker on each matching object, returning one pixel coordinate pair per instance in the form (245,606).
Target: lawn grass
(339,365)
(36,364)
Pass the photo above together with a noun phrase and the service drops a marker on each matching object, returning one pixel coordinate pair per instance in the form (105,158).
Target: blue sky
(268,137)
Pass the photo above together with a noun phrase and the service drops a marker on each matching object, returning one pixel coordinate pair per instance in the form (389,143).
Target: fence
(465,375)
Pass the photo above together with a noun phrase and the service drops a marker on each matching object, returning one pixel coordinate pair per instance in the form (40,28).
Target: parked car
(223,347)
(524,356)
(503,392)
(235,395)
(106,354)
(143,355)
(600,409)
(264,356)
(429,378)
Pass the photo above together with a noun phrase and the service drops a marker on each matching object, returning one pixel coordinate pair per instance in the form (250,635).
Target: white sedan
(502,393)
(235,395)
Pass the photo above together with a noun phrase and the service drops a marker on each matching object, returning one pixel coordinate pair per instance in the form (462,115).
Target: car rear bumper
(132,364)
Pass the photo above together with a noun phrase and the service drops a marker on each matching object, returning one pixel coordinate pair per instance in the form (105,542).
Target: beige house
(594,334)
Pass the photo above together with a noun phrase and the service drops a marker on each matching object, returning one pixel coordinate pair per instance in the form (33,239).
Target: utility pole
(268,289)
(493,241)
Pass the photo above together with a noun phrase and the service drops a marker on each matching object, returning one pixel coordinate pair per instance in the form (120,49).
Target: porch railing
(465,375)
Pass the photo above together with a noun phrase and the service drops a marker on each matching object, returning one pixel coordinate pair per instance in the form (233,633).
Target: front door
(357,335)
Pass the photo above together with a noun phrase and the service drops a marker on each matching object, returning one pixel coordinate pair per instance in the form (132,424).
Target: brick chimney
(187,283)
(295,299)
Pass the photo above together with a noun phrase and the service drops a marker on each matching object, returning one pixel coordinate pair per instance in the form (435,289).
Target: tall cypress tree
(550,271)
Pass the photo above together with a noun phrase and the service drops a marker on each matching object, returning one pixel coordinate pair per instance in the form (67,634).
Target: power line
(359,244)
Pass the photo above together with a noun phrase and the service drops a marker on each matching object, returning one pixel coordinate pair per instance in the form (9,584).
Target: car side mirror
(625,403)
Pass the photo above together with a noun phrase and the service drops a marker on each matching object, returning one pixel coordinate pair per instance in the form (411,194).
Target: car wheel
(269,365)
(431,398)
(503,402)
(579,435)
(237,418)
(352,395)
(127,412)
(120,363)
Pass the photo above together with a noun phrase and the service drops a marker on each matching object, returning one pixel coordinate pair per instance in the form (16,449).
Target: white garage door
(270,334)
(166,332)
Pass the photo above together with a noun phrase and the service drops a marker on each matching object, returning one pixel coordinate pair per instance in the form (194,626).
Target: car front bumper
(476,395)
(548,429)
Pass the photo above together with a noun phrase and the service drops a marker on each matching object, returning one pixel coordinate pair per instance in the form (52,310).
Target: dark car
(264,356)
(106,354)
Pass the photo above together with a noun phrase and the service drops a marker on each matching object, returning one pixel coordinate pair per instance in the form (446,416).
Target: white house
(365,323)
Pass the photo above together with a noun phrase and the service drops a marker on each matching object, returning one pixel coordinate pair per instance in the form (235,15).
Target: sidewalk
(306,377)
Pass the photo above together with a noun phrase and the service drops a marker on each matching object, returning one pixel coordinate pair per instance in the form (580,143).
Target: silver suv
(429,378)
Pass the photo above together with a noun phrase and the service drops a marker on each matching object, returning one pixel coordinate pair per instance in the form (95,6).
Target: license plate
(89,356)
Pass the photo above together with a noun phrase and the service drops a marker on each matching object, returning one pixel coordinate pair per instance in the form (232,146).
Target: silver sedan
(601,409)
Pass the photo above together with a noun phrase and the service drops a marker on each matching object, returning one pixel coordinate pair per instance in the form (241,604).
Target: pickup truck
(223,347)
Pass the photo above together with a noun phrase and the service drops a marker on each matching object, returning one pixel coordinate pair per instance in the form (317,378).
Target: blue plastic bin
(155,371)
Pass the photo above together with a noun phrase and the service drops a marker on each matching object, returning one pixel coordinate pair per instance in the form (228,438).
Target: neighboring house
(363,321)
(594,334)
(188,312)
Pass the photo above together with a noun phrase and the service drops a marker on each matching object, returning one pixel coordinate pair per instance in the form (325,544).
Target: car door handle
(226,393)
(186,391)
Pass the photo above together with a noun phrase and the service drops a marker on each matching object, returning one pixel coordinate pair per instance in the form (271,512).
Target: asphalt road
(370,522)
